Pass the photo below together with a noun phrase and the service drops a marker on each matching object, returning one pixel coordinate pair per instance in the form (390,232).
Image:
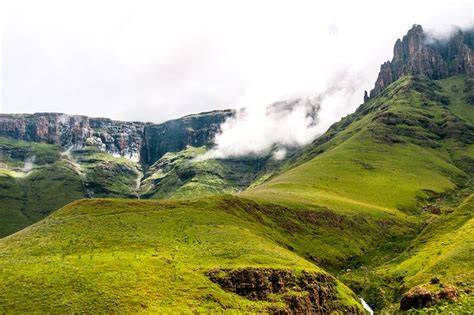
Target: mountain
(139,142)
(379,207)
(420,54)
(48,160)
(388,172)
(404,160)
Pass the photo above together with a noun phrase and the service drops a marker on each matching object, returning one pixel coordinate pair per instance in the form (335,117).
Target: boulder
(421,297)
(417,297)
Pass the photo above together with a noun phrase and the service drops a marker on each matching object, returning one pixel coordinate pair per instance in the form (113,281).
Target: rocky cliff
(306,293)
(419,54)
(111,136)
(50,159)
(174,135)
(137,141)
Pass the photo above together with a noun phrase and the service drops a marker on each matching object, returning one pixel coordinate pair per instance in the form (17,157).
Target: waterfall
(366,306)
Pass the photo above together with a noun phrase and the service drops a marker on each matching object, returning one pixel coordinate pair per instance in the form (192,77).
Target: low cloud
(256,130)
(339,83)
(274,128)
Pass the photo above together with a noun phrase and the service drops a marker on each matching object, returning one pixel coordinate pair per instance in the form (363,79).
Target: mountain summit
(420,54)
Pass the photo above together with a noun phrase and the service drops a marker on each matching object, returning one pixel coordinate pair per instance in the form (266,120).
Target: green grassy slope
(101,255)
(379,168)
(36,179)
(182,174)
(357,199)
(384,147)
(444,249)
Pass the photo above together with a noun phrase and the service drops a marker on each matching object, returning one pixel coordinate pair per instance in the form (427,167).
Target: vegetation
(104,255)
(184,174)
(106,175)
(34,180)
(383,166)
(383,201)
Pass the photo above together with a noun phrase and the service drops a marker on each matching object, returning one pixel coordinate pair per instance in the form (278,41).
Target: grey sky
(156,60)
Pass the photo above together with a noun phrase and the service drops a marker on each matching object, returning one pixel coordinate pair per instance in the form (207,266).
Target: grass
(454,87)
(140,256)
(379,167)
(183,175)
(443,249)
(27,196)
(353,202)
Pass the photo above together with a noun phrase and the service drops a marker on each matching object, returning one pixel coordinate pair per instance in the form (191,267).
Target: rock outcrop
(175,135)
(307,293)
(420,297)
(115,137)
(419,54)
(137,141)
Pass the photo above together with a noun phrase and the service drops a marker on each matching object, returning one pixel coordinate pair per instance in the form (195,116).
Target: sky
(158,60)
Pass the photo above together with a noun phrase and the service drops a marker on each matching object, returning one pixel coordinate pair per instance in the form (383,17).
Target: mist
(283,125)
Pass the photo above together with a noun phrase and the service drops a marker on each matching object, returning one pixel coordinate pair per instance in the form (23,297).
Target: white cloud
(257,129)
(279,154)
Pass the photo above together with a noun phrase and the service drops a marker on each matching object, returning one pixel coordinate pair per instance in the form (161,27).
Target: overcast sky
(156,60)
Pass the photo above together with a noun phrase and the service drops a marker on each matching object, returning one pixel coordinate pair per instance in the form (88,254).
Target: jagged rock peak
(420,54)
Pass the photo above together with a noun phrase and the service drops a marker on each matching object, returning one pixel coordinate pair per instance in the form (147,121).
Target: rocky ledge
(137,141)
(75,131)
(305,293)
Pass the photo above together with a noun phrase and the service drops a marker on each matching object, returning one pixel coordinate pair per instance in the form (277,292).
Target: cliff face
(114,137)
(418,54)
(144,142)
(174,135)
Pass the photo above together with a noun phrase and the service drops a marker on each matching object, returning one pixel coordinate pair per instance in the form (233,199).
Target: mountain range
(106,216)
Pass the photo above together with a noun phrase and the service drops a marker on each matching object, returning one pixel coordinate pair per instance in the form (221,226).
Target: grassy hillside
(443,249)
(147,256)
(182,174)
(36,179)
(381,167)
(400,143)
(382,200)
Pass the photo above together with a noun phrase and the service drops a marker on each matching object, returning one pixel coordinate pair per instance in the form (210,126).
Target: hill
(389,163)
(48,160)
(113,255)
